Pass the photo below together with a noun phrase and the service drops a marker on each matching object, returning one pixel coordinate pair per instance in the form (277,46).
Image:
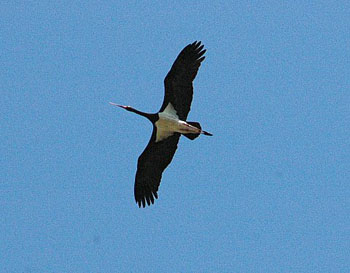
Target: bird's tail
(197,125)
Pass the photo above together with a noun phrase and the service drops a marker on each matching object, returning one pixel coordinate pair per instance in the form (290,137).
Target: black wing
(150,166)
(178,82)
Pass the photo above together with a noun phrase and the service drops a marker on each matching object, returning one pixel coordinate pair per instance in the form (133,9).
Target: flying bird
(168,124)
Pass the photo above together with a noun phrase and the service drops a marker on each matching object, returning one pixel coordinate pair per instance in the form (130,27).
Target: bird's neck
(152,117)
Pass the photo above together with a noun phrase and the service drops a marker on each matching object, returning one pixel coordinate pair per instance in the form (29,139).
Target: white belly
(169,123)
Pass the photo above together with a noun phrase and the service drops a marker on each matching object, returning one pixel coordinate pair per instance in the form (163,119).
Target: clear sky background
(269,192)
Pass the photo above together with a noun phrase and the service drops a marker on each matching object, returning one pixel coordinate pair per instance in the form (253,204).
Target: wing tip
(196,43)
(141,201)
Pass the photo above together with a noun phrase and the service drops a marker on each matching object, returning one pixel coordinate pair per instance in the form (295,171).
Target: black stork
(168,124)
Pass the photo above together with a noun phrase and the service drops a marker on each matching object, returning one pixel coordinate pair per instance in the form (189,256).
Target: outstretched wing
(150,166)
(178,82)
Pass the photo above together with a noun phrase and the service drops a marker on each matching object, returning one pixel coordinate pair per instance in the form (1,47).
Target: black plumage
(158,154)
(178,82)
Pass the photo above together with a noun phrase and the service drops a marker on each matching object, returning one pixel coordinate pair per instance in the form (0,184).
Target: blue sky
(269,192)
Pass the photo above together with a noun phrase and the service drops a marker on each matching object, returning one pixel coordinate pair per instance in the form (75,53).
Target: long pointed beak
(122,106)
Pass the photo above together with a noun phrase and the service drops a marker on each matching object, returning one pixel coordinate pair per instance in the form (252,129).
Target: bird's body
(168,124)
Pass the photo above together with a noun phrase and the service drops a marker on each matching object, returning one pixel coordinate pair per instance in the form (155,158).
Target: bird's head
(127,108)
(151,117)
